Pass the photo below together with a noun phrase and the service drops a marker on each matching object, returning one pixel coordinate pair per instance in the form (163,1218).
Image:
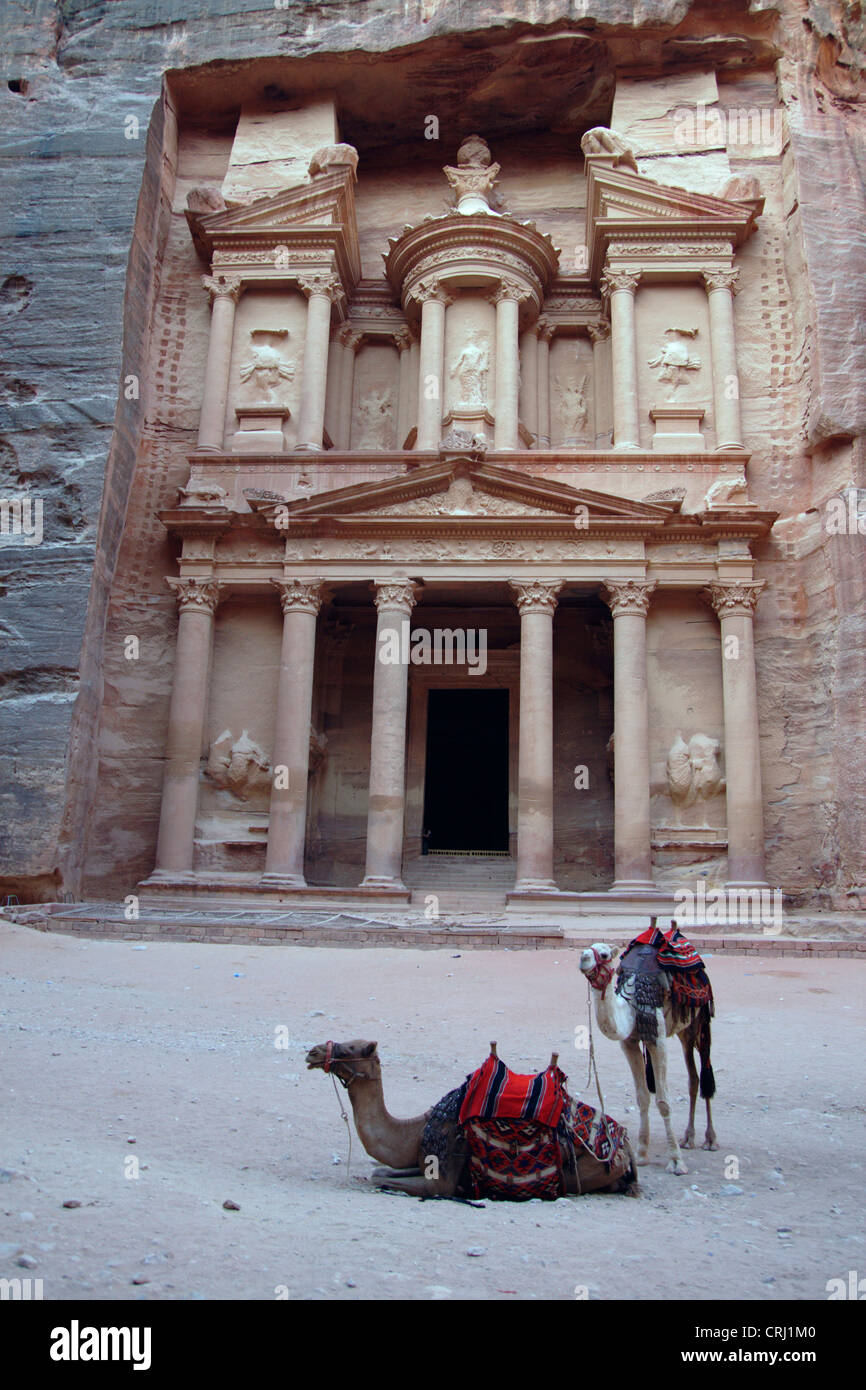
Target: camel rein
(335,1077)
(604,973)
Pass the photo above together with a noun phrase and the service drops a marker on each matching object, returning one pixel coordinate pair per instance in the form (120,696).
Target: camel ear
(614,952)
(369,1049)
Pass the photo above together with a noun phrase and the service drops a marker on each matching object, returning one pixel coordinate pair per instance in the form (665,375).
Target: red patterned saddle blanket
(495,1093)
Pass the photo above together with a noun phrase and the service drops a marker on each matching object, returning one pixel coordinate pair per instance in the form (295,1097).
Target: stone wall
(98,293)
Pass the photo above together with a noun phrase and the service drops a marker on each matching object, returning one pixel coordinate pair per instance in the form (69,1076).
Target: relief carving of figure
(238,766)
(674,359)
(375,412)
(573,410)
(266,368)
(471,369)
(693,771)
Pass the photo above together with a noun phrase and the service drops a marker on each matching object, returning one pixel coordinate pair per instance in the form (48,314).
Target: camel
(618,1019)
(427,1159)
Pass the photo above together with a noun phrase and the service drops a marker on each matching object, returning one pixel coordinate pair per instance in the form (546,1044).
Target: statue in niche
(674,359)
(266,368)
(693,771)
(573,410)
(238,766)
(471,370)
(473,178)
(374,411)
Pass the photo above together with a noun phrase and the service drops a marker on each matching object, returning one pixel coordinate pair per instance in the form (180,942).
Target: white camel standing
(618,1020)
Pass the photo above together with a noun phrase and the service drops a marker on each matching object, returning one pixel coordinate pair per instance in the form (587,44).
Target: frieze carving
(198,595)
(536,595)
(457,441)
(628,596)
(693,771)
(199,490)
(299,595)
(735,598)
(664,246)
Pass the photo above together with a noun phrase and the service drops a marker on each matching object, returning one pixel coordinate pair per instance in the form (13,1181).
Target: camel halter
(601,973)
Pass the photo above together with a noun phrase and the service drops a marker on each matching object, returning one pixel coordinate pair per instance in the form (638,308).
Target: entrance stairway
(462,883)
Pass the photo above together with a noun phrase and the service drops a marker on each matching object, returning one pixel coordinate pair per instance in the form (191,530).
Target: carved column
(403,342)
(721,288)
(350,341)
(628,600)
(599,334)
(434,301)
(621,286)
(395,600)
(197,600)
(536,602)
(332,394)
(546,331)
(529,381)
(735,605)
(224,291)
(321,292)
(287,825)
(507,300)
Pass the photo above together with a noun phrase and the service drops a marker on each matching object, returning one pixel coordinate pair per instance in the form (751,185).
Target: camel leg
(396,1173)
(659,1057)
(420,1186)
(688,1043)
(710,1138)
(642,1095)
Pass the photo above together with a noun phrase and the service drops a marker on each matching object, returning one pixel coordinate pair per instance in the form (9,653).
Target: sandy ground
(173,1046)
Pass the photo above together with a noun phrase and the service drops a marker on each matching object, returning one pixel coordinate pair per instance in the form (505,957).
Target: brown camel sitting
(427,1156)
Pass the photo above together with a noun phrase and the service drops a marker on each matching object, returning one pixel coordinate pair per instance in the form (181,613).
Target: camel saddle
(516,1133)
(657,961)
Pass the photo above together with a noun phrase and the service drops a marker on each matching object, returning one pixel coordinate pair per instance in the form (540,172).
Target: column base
(309,449)
(746,883)
(170,876)
(626,449)
(734,444)
(383,881)
(635,885)
(534,885)
(278,880)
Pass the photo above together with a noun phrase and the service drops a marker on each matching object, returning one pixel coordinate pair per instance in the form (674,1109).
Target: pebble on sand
(229,1205)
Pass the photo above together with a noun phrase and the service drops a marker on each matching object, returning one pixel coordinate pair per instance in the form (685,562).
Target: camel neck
(386,1138)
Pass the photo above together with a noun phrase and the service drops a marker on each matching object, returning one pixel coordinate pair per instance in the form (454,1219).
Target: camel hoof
(677,1166)
(710,1144)
(642,1160)
(688,1142)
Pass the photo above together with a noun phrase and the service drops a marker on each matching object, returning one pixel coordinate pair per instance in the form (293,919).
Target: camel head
(596,963)
(347,1060)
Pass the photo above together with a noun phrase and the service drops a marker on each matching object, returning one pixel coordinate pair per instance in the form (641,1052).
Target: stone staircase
(462,883)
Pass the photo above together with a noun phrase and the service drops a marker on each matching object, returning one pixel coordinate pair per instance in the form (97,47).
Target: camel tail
(708,1080)
(650,1074)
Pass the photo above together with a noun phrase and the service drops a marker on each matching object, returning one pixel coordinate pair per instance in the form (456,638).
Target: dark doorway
(466,786)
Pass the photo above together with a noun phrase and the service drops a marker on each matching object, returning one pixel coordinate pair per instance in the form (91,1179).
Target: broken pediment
(631,216)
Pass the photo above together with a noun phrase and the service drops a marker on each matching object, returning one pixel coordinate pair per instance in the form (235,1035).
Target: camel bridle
(331,1062)
(601,973)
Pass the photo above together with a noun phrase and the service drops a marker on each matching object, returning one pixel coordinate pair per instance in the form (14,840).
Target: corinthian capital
(223,286)
(628,596)
(536,595)
(321,282)
(544,329)
(508,289)
(598,332)
(721,280)
(299,595)
(614,280)
(395,595)
(201,595)
(432,289)
(736,597)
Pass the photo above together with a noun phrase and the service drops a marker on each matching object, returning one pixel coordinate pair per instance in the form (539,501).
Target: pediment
(621,202)
(467,493)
